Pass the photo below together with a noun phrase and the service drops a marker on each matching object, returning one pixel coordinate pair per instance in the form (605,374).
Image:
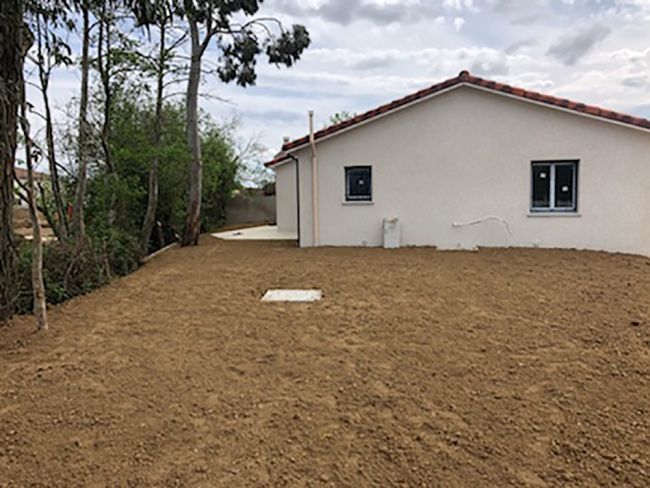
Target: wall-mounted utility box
(391,233)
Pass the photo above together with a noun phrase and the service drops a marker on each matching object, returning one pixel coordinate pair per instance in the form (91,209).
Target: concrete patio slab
(261,233)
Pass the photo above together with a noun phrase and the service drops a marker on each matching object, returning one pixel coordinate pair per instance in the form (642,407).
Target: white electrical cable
(484,219)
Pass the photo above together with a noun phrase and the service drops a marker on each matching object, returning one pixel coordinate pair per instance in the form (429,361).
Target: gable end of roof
(465,78)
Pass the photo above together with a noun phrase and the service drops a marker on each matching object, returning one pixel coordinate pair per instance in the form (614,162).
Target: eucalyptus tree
(101,16)
(117,59)
(119,54)
(38,284)
(241,37)
(240,44)
(104,62)
(162,66)
(78,225)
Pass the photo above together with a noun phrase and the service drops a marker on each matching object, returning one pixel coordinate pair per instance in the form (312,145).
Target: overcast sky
(368,52)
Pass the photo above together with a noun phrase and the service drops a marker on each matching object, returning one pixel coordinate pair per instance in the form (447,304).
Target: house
(468,163)
(21,217)
(21,176)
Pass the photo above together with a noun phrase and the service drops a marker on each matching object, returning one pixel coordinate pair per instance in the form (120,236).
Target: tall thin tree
(38,284)
(240,45)
(51,52)
(106,15)
(78,224)
(161,65)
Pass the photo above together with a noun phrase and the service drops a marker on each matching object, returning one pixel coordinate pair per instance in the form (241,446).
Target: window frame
(357,199)
(552,208)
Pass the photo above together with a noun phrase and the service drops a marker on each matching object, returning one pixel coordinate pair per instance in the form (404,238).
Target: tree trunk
(61,217)
(152,202)
(193,221)
(61,226)
(51,221)
(82,148)
(104,68)
(38,286)
(11,79)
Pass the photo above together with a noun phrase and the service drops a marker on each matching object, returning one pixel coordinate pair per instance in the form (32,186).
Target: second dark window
(554,186)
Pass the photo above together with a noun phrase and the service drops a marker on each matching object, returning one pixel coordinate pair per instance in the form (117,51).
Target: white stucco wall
(466,155)
(286,203)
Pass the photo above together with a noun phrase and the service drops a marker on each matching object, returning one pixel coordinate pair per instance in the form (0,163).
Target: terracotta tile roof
(21,174)
(466,78)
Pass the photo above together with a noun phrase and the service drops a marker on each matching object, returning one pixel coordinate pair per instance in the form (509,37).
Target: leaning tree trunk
(61,217)
(11,79)
(193,221)
(44,71)
(152,201)
(82,144)
(38,285)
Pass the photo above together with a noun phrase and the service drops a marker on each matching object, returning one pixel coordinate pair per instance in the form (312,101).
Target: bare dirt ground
(419,368)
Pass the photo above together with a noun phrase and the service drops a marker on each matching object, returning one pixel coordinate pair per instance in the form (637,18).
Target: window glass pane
(564,185)
(541,185)
(358,183)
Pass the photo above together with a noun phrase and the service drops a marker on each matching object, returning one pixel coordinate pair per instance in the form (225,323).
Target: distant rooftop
(21,174)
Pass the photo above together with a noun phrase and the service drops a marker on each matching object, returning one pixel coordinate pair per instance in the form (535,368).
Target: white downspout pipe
(314,182)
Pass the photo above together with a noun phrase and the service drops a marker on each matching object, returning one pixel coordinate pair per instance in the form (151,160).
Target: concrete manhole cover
(292,296)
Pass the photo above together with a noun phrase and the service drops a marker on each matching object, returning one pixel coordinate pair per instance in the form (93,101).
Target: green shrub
(23,276)
(122,252)
(70,270)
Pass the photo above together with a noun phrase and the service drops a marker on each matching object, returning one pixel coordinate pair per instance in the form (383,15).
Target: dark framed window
(358,184)
(554,186)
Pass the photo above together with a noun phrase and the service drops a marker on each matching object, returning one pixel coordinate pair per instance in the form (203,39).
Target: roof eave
(277,161)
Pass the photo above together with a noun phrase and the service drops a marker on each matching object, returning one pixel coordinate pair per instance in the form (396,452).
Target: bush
(70,271)
(122,252)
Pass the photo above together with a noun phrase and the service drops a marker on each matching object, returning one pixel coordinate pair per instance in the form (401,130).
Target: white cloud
(367,52)
(458,22)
